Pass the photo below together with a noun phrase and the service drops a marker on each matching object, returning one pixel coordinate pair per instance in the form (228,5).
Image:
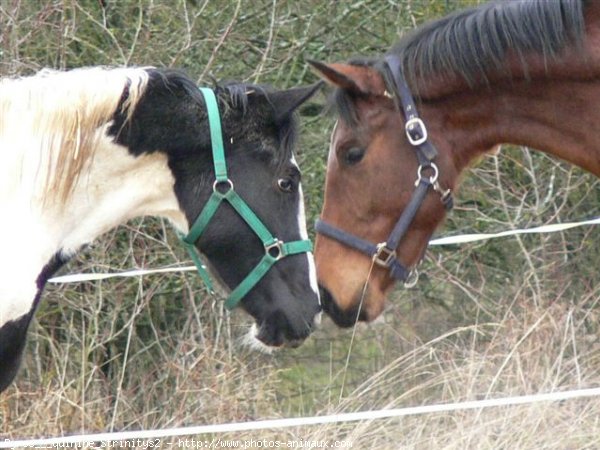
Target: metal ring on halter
(412,279)
(433,178)
(217,183)
(277,244)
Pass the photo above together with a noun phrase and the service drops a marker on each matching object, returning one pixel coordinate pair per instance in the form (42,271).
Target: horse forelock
(236,96)
(59,118)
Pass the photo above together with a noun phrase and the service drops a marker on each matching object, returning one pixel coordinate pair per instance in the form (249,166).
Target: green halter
(223,190)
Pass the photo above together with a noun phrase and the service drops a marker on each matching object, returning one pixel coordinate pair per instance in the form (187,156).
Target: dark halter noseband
(384,253)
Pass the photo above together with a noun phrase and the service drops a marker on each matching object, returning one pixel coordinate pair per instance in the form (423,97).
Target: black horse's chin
(276,331)
(274,341)
(259,339)
(342,318)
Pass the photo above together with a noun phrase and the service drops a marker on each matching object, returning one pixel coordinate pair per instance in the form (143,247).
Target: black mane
(474,42)
(237,96)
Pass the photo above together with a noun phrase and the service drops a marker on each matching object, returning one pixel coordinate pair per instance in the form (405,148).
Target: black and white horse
(85,150)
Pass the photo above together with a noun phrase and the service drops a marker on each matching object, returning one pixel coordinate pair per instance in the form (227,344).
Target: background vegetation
(511,316)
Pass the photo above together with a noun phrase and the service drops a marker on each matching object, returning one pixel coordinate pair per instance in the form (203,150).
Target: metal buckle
(388,255)
(415,126)
(278,245)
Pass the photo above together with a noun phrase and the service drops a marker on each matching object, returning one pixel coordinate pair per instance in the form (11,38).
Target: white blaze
(312,270)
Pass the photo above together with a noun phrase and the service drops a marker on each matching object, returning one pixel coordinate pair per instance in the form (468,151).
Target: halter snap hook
(412,279)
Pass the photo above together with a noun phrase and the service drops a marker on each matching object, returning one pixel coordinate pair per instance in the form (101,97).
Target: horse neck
(549,104)
(115,187)
(554,114)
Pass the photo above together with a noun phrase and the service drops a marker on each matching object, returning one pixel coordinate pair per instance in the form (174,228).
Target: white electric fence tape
(105,438)
(552,228)
(78,277)
(449,240)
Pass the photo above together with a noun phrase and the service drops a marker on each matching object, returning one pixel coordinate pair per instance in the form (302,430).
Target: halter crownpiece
(223,190)
(384,253)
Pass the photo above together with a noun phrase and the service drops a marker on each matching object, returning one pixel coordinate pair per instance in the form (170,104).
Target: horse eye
(285,184)
(354,155)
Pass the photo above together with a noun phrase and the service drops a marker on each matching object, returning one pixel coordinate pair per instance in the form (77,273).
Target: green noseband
(223,191)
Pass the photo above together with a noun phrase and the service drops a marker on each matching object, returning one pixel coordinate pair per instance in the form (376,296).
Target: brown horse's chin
(350,316)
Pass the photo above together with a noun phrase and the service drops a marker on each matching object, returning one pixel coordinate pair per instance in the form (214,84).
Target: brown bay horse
(520,72)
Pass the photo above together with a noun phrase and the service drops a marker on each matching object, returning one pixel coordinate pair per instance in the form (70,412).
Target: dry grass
(510,317)
(536,350)
(196,373)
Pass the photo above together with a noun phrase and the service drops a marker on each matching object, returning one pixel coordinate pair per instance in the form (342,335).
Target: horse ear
(360,80)
(334,75)
(286,102)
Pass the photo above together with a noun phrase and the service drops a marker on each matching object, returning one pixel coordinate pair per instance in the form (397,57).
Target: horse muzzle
(279,330)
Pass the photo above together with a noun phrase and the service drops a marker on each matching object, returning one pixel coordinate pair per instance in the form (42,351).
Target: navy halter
(384,253)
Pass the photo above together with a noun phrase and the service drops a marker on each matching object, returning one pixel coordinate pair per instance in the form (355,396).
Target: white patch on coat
(117,188)
(312,270)
(250,339)
(99,184)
